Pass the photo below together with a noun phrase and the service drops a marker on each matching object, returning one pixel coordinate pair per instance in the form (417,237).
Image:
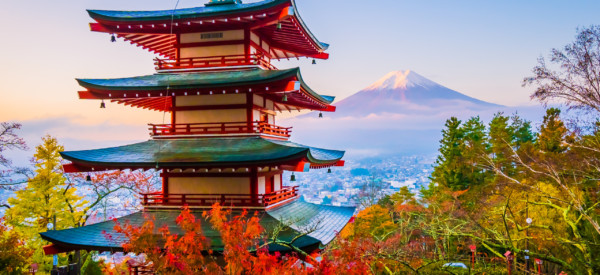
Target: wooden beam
(211,43)
(210,107)
(293,86)
(87,95)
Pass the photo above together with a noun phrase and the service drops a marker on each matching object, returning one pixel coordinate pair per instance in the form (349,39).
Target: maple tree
(14,254)
(112,192)
(190,253)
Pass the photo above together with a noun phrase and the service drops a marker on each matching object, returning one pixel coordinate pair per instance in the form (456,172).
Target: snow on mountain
(401,79)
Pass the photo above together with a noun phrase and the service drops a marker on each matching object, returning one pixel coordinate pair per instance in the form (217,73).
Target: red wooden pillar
(247,45)
(173,117)
(249,113)
(254,185)
(165,189)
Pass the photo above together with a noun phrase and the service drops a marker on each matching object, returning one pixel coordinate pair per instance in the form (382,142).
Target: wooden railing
(214,62)
(235,200)
(218,128)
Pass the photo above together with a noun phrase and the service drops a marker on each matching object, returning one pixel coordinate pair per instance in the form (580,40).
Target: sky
(480,48)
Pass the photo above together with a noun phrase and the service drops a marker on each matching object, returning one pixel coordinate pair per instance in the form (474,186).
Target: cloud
(73,134)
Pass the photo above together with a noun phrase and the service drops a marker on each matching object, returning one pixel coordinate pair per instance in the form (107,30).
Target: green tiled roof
(197,13)
(198,80)
(324,222)
(206,152)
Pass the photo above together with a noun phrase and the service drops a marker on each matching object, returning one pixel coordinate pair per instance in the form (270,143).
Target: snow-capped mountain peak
(401,80)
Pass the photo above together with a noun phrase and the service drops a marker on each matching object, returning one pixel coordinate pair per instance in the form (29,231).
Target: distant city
(342,187)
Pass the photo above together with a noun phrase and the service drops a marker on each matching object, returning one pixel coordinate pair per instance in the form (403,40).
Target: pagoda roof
(139,26)
(234,152)
(322,221)
(136,91)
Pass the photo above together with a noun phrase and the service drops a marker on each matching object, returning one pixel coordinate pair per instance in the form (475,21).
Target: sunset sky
(480,48)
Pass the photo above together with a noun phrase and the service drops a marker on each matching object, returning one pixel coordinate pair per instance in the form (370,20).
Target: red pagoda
(215,77)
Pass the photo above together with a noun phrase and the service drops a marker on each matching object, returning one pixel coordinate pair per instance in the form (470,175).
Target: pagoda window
(262,182)
(277,182)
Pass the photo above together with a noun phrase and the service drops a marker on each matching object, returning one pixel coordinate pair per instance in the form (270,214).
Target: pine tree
(521,130)
(553,133)
(501,142)
(474,146)
(449,168)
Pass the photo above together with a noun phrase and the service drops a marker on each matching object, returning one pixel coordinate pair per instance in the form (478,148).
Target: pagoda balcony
(213,62)
(160,200)
(218,128)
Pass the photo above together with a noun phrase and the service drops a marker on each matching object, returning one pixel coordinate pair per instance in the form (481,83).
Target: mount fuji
(408,93)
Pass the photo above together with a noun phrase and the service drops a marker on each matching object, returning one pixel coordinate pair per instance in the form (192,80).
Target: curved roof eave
(323,46)
(323,98)
(187,13)
(201,152)
(184,81)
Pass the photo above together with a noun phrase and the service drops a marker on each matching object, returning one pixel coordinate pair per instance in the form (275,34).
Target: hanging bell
(293,177)
(320,115)
(284,99)
(88,178)
(102,104)
(328,170)
(279,26)
(314,61)
(113,38)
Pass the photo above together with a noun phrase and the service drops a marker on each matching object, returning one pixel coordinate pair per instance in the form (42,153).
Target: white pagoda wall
(209,116)
(206,51)
(209,185)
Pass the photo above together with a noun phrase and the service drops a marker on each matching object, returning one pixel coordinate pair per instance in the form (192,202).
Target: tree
(521,130)
(501,141)
(190,253)
(46,198)
(573,74)
(9,140)
(111,192)
(14,254)
(553,133)
(370,192)
(449,168)
(459,165)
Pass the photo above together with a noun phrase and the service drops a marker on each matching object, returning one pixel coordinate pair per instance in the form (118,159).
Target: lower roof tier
(321,221)
(235,152)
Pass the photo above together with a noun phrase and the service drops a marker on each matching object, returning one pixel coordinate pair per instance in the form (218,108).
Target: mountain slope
(406,92)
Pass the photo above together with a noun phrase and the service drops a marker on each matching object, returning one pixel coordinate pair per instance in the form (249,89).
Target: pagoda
(215,78)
